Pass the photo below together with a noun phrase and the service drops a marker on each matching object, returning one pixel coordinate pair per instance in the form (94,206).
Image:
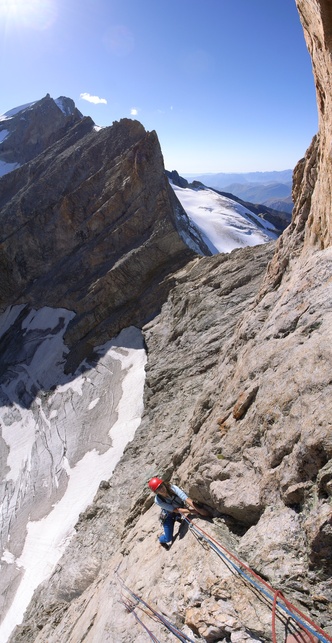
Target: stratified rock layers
(92,227)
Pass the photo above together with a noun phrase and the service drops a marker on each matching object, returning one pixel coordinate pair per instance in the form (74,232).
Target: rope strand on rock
(130,607)
(278,594)
(152,613)
(276,598)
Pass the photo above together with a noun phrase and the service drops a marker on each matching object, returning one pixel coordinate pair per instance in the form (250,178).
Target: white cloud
(134,111)
(93,99)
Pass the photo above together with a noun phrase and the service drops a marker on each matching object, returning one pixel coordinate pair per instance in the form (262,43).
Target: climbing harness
(130,605)
(274,596)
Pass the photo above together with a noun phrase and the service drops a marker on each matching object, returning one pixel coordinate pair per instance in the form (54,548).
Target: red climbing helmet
(154,483)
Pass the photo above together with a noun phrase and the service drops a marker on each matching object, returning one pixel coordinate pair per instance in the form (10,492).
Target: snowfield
(3,135)
(14,111)
(224,224)
(58,441)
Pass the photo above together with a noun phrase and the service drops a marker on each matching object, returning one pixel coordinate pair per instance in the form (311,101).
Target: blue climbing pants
(168,525)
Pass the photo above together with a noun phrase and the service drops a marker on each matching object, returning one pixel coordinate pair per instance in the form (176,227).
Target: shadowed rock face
(31,130)
(90,225)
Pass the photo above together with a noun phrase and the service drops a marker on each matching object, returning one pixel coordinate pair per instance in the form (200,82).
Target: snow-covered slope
(14,111)
(223,223)
(60,437)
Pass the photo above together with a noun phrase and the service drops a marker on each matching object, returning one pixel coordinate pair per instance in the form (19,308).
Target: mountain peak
(27,130)
(66,105)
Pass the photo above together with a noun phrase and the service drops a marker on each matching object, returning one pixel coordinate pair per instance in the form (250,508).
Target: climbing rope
(151,612)
(275,596)
(130,607)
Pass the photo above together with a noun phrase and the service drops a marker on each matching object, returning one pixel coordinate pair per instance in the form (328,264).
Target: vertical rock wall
(311,226)
(316,18)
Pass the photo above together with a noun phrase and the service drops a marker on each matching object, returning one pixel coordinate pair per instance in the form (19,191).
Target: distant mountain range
(222,179)
(268,188)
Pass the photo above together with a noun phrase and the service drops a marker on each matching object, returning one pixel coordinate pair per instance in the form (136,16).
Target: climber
(175,503)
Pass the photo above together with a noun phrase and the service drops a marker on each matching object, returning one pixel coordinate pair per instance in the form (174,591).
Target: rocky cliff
(311,222)
(91,224)
(237,409)
(316,18)
(28,130)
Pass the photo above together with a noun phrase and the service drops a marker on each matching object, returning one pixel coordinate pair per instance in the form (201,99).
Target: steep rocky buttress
(94,216)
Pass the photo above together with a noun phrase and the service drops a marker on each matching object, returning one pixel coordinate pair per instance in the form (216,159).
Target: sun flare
(38,14)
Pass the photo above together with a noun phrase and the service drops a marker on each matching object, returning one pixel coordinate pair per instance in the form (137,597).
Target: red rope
(274,607)
(270,588)
(298,637)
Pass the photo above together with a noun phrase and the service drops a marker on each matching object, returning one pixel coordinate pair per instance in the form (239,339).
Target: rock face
(208,299)
(311,221)
(241,422)
(316,18)
(26,132)
(237,410)
(92,225)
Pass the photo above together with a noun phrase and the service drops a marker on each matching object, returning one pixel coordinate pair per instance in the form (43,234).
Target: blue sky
(227,84)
